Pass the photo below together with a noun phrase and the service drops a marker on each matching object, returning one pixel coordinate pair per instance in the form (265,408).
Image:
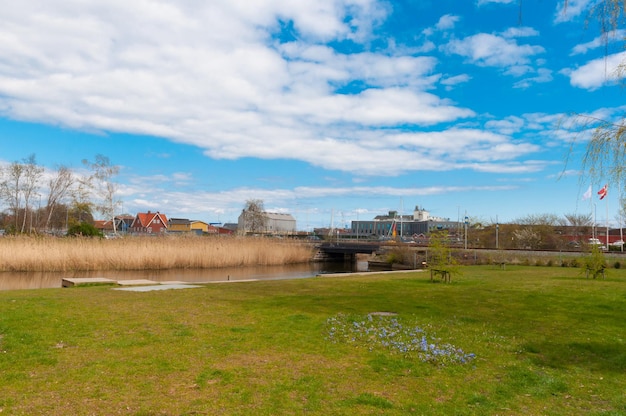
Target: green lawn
(546,341)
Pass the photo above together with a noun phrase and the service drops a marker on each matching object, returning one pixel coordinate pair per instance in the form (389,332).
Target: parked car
(597,242)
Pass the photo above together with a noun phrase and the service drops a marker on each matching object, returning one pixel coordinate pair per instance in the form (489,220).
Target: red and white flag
(602,192)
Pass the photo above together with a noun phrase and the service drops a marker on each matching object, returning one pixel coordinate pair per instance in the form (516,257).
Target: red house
(103,225)
(149,223)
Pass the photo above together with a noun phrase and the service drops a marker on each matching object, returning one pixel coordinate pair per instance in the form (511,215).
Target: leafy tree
(440,255)
(254,218)
(80,212)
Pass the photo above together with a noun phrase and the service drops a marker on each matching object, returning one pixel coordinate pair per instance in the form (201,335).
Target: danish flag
(602,192)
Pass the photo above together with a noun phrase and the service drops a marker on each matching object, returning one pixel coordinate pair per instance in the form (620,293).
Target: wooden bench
(443,274)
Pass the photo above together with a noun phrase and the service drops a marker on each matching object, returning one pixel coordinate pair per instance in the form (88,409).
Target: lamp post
(466,223)
(497,229)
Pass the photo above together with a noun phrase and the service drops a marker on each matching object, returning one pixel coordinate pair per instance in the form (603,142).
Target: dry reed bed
(146,253)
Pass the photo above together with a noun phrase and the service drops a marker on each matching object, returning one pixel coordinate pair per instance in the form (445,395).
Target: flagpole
(593,216)
(620,216)
(607,223)
(619,211)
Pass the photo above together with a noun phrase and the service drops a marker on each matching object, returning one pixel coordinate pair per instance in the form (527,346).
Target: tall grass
(146,253)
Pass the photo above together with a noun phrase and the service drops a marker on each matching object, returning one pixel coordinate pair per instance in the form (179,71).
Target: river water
(41,280)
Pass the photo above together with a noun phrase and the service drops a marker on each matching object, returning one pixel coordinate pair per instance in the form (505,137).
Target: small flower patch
(386,332)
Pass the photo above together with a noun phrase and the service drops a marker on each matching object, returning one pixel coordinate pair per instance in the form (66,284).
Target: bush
(393,258)
(595,263)
(84,229)
(617,265)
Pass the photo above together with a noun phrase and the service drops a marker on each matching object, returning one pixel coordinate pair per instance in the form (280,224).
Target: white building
(274,223)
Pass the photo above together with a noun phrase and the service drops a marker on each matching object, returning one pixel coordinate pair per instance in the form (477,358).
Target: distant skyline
(331,110)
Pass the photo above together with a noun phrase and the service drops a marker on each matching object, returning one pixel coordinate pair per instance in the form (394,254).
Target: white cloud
(543,75)
(491,50)
(520,32)
(451,82)
(485,2)
(447,22)
(574,9)
(463,145)
(217,76)
(597,72)
(600,41)
(227,205)
(509,125)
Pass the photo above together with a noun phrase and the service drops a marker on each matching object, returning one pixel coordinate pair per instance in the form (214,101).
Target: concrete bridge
(344,250)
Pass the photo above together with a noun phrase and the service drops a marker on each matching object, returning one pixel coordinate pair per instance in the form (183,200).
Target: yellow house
(183,225)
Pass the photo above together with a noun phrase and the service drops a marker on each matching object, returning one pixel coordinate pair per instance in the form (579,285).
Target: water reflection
(41,280)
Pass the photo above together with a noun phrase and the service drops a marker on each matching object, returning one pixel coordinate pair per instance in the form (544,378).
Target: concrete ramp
(138,285)
(86,281)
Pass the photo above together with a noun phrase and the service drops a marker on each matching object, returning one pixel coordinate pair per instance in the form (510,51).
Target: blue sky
(331,110)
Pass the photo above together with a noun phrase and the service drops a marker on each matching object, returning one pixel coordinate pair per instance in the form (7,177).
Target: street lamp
(466,224)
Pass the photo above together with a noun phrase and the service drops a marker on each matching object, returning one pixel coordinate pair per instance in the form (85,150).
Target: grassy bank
(147,253)
(533,341)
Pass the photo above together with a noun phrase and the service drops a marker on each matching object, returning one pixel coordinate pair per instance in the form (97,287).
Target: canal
(43,280)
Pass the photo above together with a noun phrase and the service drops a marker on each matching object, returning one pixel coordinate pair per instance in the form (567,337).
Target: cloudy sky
(332,110)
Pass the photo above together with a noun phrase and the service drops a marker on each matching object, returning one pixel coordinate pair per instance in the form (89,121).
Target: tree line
(36,200)
(533,232)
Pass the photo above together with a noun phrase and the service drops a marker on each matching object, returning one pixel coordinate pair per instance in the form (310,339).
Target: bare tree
(20,182)
(30,185)
(102,183)
(59,188)
(527,238)
(253,215)
(577,226)
(538,220)
(578,220)
(10,189)
(537,231)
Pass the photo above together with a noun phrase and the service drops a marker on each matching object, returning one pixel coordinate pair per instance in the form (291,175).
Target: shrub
(617,265)
(401,255)
(595,263)
(85,230)
(393,258)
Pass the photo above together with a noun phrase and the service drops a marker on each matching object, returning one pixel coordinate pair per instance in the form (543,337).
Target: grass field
(520,341)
